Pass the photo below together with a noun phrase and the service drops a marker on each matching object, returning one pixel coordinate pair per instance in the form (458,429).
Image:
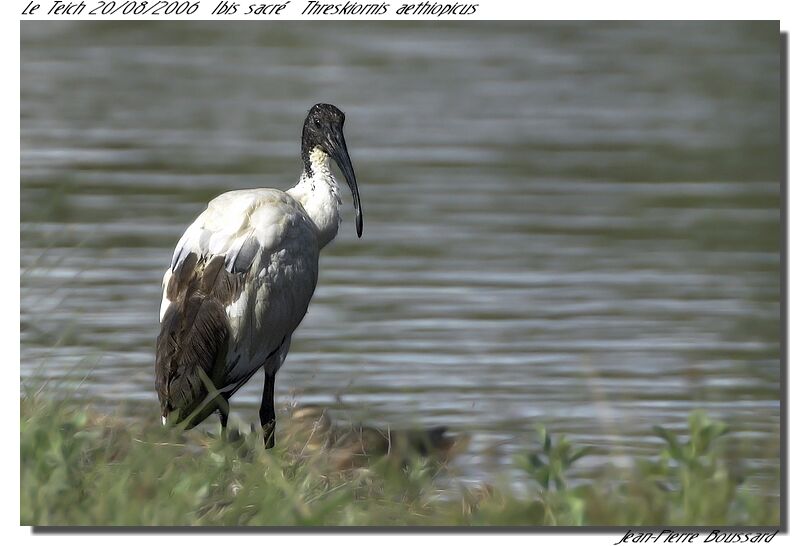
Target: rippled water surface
(575,225)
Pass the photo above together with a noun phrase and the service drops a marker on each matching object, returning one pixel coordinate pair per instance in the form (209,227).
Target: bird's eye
(317,124)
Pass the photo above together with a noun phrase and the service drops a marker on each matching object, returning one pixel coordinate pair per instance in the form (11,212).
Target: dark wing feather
(239,260)
(192,344)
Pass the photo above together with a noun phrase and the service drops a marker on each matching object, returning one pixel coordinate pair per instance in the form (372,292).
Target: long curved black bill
(342,158)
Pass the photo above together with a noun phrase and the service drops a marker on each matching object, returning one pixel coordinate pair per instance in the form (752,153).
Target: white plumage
(241,279)
(268,235)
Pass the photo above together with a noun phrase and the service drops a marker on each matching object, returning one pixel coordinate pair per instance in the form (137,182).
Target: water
(574,225)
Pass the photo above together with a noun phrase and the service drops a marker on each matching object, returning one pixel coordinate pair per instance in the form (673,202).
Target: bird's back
(240,282)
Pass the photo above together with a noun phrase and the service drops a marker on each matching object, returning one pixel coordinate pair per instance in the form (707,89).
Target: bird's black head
(324,129)
(322,120)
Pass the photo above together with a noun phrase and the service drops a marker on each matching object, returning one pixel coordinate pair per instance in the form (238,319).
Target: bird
(241,279)
(310,430)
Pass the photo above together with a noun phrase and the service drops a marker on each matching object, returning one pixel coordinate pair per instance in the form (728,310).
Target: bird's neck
(318,192)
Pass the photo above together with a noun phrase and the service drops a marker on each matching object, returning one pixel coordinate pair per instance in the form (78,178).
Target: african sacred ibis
(241,279)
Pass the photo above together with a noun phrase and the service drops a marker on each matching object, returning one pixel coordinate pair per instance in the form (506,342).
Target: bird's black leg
(267,411)
(223,418)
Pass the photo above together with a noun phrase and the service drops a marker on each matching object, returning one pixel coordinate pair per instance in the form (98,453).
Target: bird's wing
(220,230)
(254,255)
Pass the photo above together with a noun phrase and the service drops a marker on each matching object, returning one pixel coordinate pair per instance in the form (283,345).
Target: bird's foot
(269,434)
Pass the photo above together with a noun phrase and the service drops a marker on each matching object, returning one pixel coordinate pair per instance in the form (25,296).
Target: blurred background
(572,225)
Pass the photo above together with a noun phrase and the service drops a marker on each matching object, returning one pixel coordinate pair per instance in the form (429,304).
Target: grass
(80,467)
